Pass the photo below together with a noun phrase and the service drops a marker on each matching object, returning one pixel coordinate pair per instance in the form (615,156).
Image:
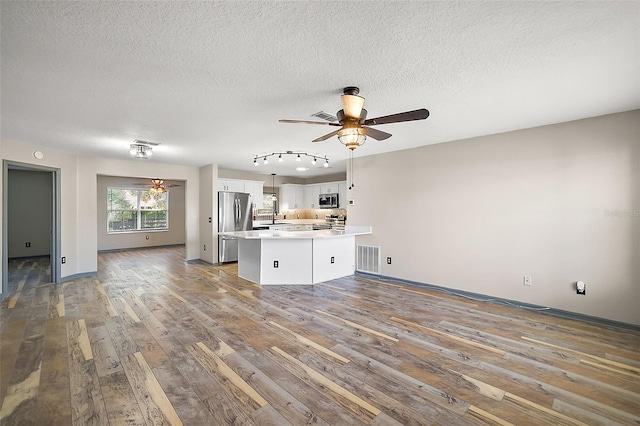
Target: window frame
(138,210)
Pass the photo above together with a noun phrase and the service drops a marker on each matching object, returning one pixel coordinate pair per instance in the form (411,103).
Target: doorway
(31,226)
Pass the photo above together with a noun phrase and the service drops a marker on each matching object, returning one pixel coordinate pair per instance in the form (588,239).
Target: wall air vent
(325,116)
(368,259)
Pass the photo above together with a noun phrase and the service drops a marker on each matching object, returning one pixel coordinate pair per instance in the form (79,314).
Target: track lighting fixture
(299,155)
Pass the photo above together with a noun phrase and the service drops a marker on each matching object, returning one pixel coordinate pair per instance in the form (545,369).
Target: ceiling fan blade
(376,134)
(418,114)
(325,137)
(309,122)
(352,105)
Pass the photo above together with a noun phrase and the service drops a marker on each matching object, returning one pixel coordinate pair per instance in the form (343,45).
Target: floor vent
(368,259)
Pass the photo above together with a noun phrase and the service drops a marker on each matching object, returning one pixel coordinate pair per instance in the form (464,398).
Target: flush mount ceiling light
(298,155)
(142,149)
(353,122)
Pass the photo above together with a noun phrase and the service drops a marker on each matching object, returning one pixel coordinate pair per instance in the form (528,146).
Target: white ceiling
(209,80)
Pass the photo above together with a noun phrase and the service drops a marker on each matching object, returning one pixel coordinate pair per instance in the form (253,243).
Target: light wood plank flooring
(153,340)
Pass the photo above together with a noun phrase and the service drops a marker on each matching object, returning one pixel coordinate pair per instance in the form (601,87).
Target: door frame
(55,259)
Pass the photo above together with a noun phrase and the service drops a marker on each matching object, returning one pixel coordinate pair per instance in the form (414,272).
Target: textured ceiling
(209,80)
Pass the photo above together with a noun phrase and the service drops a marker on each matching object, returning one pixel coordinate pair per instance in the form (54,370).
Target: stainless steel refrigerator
(235,213)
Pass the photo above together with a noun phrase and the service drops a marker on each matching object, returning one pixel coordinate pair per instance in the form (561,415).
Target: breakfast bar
(296,257)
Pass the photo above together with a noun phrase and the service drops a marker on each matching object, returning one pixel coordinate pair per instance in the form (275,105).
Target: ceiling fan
(353,122)
(158,186)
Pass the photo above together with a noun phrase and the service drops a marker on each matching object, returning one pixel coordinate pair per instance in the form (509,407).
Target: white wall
(174,235)
(29,208)
(88,170)
(79,184)
(208,209)
(479,214)
(67,163)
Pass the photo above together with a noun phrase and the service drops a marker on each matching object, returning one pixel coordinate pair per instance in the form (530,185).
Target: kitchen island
(296,257)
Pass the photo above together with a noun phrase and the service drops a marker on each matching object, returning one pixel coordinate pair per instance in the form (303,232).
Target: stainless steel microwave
(328,201)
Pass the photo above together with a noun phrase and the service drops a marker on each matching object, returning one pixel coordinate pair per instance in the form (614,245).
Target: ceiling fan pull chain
(351,174)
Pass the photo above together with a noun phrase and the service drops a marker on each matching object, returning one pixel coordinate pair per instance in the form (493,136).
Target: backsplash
(300,214)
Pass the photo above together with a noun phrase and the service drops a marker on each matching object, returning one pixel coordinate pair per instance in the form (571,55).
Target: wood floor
(153,340)
(29,271)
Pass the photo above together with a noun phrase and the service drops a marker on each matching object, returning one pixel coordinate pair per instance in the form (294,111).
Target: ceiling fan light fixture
(352,105)
(352,137)
(158,190)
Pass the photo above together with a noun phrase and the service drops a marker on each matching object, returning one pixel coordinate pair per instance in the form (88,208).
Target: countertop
(325,233)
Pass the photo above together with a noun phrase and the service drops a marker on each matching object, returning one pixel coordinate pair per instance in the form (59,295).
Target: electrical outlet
(64,260)
(205,247)
(146,237)
(581,288)
(526,280)
(352,202)
(275,263)
(27,244)
(388,261)
(333,259)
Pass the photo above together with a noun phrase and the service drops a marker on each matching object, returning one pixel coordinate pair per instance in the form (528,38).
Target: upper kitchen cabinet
(231,185)
(342,195)
(311,195)
(329,188)
(253,187)
(291,196)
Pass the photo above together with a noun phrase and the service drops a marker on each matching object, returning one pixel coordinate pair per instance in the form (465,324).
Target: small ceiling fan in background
(158,185)
(353,122)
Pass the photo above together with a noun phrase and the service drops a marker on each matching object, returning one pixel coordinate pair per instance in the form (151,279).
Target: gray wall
(175,234)
(560,203)
(29,203)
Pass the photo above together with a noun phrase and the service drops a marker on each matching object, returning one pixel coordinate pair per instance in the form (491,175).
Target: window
(136,210)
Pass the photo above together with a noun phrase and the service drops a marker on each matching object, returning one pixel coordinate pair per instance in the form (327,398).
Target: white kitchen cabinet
(329,188)
(311,195)
(342,195)
(299,192)
(255,188)
(291,197)
(231,185)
